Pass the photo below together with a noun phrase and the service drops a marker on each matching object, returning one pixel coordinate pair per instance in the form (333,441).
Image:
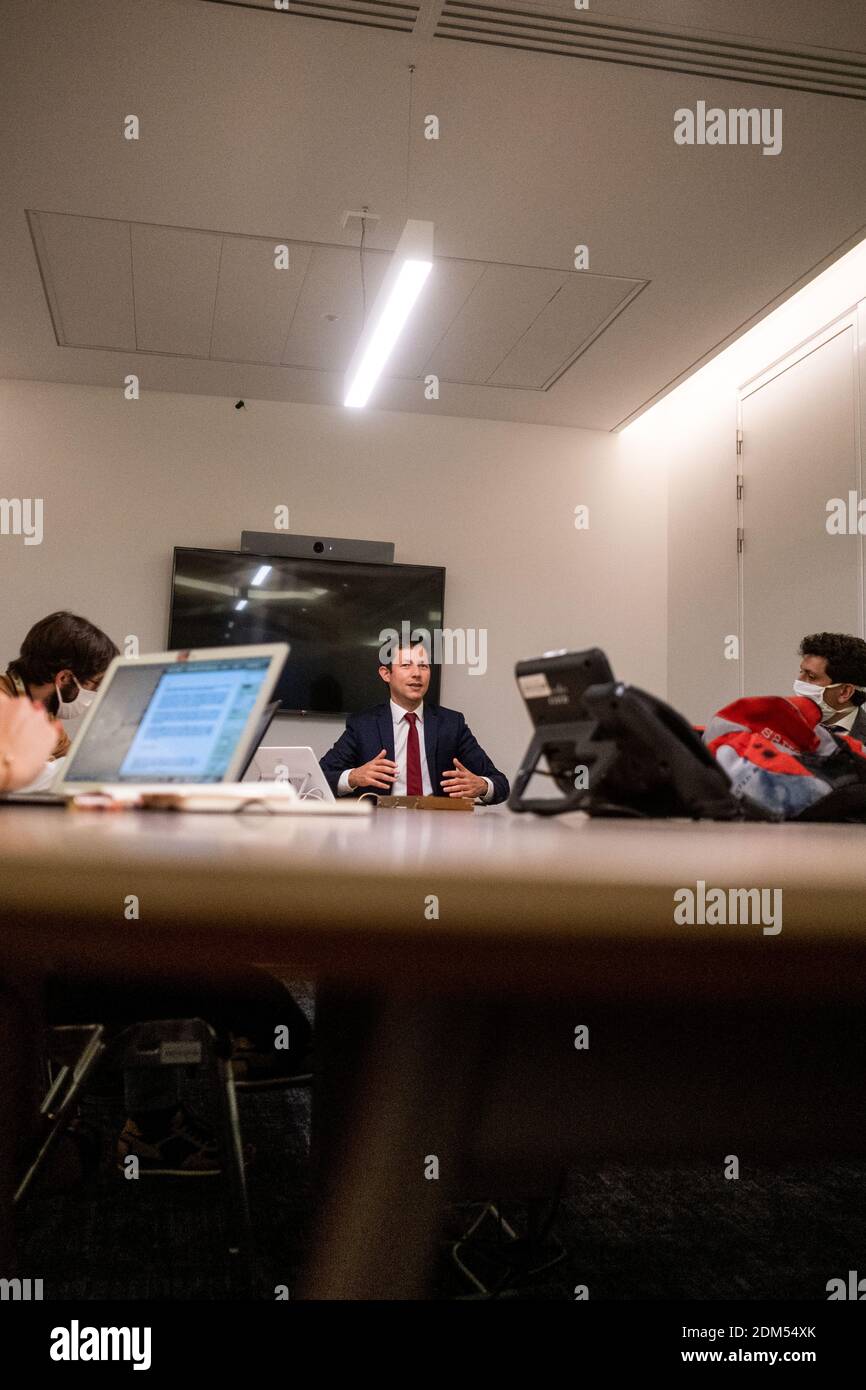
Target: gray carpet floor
(625,1233)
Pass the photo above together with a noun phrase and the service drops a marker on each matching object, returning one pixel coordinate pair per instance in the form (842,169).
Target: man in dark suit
(405,747)
(833,673)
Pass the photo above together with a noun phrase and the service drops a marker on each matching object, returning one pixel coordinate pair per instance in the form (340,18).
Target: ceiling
(137,287)
(258,129)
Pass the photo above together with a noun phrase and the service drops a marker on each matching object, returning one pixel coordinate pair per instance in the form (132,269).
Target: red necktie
(414,782)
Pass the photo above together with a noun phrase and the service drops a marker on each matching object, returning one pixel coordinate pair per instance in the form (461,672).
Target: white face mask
(77,708)
(816,693)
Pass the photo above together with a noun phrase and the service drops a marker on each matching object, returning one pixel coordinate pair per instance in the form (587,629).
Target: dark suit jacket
(446,736)
(858,728)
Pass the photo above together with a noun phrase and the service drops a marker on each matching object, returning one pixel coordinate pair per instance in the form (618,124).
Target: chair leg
(241,1233)
(90,1055)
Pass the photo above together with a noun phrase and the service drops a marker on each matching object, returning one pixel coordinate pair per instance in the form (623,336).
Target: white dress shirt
(401,738)
(843,720)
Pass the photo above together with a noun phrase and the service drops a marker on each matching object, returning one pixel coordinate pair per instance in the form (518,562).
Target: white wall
(494,503)
(691,435)
(702,561)
(697,448)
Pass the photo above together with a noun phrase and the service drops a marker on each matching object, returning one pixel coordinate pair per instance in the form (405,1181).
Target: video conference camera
(317,547)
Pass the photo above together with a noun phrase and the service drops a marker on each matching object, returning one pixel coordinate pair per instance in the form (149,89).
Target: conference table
(503,993)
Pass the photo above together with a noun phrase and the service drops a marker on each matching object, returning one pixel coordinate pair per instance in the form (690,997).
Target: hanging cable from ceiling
(365,209)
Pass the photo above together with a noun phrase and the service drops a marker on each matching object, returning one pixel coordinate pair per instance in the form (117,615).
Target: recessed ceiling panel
(221,296)
(256,298)
(329,316)
(448,287)
(86,267)
(175,274)
(497,313)
(579,311)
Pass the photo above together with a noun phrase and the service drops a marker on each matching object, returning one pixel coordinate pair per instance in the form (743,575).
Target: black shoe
(185,1148)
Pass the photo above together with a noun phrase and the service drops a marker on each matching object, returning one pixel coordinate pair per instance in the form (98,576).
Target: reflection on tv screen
(332,613)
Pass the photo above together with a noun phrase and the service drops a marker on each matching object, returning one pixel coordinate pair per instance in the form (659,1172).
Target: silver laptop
(298,766)
(173,719)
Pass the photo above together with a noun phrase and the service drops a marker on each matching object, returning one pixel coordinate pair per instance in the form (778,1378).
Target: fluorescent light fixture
(240,605)
(404,279)
(261,575)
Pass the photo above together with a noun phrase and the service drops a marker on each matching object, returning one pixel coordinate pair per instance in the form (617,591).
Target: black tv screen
(332,613)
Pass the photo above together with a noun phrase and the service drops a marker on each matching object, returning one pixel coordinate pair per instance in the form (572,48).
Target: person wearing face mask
(61,663)
(833,674)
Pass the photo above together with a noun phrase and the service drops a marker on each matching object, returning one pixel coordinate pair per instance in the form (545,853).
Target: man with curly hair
(833,673)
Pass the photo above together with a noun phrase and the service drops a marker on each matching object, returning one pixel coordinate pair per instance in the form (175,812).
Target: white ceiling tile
(501,307)
(87,272)
(175,279)
(580,309)
(332,286)
(448,287)
(255,300)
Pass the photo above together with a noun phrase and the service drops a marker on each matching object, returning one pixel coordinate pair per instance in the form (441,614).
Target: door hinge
(739,441)
(739,540)
(739,487)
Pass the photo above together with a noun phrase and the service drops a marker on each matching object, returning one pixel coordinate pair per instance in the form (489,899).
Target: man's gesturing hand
(378,772)
(462,782)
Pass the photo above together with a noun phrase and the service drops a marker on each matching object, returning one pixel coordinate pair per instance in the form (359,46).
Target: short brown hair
(63,642)
(845,656)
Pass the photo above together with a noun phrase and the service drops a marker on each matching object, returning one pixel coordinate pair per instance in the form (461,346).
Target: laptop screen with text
(169,721)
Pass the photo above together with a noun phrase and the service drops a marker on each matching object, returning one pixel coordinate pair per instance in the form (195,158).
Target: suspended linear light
(404,279)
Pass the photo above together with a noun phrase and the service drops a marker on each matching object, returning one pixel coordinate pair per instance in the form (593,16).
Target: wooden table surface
(522,900)
(561,909)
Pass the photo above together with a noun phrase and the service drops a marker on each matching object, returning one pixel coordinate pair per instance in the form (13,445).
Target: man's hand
(378,772)
(27,739)
(462,782)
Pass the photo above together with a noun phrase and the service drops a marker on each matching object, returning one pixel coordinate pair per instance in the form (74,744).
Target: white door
(800,449)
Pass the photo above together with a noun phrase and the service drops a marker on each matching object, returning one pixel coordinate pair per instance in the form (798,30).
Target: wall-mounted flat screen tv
(331,612)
